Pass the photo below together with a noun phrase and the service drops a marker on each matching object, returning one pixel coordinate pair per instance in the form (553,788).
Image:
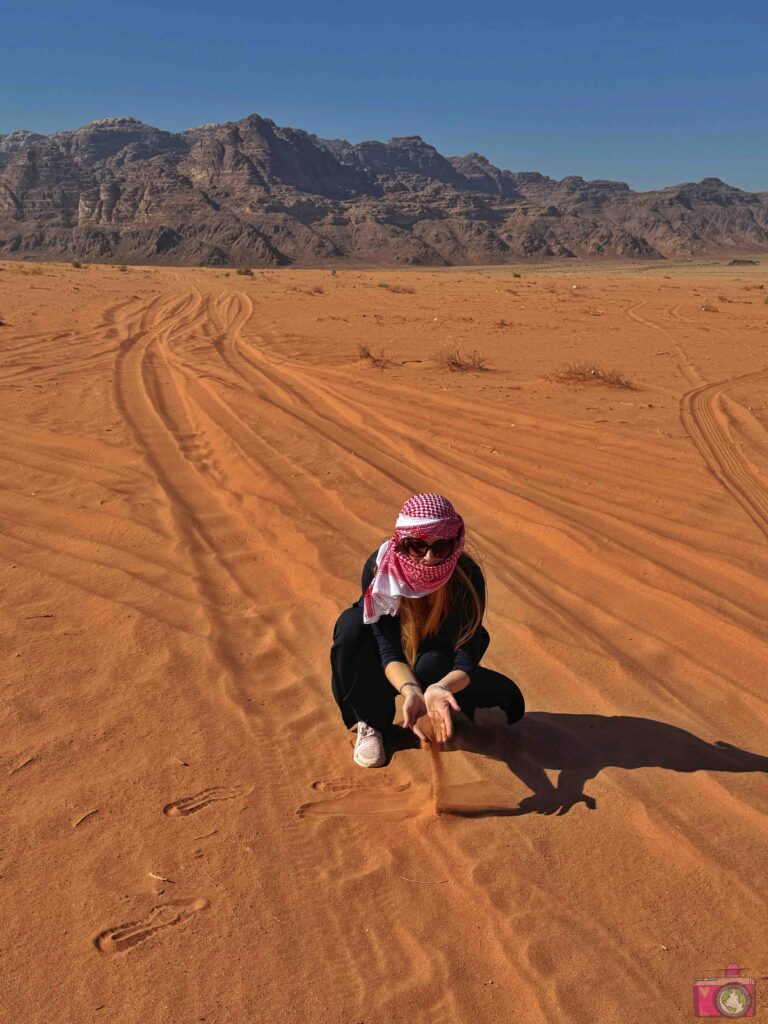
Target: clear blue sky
(662,94)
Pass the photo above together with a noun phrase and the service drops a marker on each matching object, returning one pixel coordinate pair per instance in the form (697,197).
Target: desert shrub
(334,273)
(401,289)
(244,272)
(316,289)
(77,264)
(380,360)
(723,298)
(517,275)
(765,300)
(587,370)
(710,309)
(450,357)
(124,270)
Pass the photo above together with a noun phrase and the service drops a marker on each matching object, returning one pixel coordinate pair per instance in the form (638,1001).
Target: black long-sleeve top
(387,629)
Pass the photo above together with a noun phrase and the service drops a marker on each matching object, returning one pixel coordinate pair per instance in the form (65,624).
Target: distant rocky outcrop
(252,192)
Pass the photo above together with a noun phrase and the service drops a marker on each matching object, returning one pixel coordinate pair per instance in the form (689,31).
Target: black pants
(364,694)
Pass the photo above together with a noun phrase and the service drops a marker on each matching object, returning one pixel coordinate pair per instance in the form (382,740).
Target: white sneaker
(369,747)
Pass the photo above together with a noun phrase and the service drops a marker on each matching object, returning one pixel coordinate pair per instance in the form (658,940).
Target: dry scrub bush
(710,309)
(401,289)
(244,272)
(450,357)
(316,289)
(380,360)
(586,370)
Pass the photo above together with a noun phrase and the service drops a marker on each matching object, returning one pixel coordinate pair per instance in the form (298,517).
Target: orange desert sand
(195,465)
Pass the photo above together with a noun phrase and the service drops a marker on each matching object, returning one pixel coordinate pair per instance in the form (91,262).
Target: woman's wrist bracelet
(410,684)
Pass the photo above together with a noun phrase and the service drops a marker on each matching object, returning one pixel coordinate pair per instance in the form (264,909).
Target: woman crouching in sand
(416,630)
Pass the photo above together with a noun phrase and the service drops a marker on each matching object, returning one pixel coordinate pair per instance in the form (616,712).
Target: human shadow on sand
(579,747)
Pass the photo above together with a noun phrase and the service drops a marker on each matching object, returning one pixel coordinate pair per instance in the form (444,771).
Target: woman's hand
(439,702)
(413,709)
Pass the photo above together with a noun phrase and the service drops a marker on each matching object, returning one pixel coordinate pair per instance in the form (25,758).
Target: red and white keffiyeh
(429,517)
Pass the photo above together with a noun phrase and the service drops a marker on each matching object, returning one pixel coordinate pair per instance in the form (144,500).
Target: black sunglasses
(417,548)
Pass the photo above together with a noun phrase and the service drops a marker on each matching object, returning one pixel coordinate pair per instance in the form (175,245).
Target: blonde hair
(421,617)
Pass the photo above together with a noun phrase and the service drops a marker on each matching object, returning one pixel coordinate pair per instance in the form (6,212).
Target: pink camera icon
(731,996)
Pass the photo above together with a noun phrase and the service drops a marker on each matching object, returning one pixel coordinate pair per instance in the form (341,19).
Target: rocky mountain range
(253,193)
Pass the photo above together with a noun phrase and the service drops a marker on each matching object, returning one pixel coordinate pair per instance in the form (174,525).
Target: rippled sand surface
(194,465)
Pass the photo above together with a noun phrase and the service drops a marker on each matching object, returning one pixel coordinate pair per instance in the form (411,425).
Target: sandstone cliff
(253,193)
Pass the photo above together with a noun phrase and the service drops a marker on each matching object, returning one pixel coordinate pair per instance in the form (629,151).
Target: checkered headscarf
(429,517)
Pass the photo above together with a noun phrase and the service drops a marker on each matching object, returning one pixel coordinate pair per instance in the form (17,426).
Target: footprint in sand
(165,915)
(192,804)
(344,785)
(384,798)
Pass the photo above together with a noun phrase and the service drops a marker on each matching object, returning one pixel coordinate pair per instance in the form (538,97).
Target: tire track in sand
(706,424)
(161,396)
